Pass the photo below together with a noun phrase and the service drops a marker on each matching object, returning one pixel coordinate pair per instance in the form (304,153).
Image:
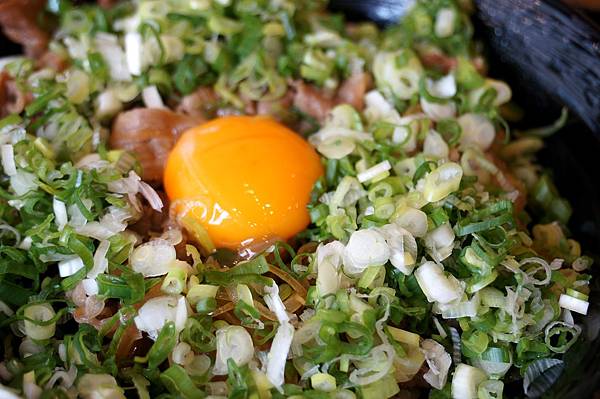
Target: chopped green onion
(40,102)
(465,381)
(577,294)
(442,181)
(385,388)
(179,383)
(206,305)
(163,346)
(574,303)
(406,337)
(39,321)
(560,336)
(175,279)
(233,343)
(323,382)
(474,343)
(490,389)
(436,285)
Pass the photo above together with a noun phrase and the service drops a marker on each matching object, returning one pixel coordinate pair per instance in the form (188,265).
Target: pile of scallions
(437,259)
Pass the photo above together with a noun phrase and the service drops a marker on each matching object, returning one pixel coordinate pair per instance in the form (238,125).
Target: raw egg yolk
(244,179)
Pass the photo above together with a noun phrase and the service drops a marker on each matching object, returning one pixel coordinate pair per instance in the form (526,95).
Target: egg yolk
(244,179)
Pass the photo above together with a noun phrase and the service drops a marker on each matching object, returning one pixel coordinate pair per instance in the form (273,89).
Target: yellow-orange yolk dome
(244,179)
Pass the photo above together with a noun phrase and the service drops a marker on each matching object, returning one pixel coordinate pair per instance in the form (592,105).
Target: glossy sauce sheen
(245,179)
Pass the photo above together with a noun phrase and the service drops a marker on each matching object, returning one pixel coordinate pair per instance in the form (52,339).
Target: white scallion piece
(413,220)
(477,130)
(156,312)
(344,115)
(490,389)
(111,223)
(492,297)
(39,312)
(442,236)
(336,132)
(66,378)
(152,259)
(282,341)
(8,159)
(376,365)
(60,213)
(442,88)
(436,286)
(200,291)
(437,111)
(336,147)
(278,353)
(495,369)
(567,316)
(442,181)
(26,243)
(274,303)
(440,242)
(126,185)
(348,192)
(435,145)
(22,182)
(181,353)
(323,382)
(394,79)
(573,304)
(174,48)
(306,332)
(461,309)
(465,381)
(133,52)
(100,261)
(406,167)
(152,98)
(181,313)
(233,342)
(374,171)
(403,247)
(582,263)
(325,38)
(69,267)
(439,328)
(401,135)
(444,22)
(107,104)
(94,386)
(114,56)
(533,271)
(78,86)
(329,261)
(376,106)
(30,389)
(439,362)
(503,91)
(365,248)
(244,294)
(90,286)
(151,196)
